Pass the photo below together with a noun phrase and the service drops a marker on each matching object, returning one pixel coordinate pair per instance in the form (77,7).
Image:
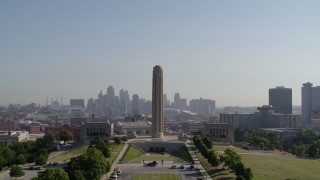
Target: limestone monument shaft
(157,102)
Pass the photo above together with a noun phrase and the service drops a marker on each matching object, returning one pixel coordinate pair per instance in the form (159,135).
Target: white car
(114,177)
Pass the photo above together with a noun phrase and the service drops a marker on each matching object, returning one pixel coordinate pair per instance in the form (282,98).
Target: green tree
(30,158)
(77,175)
(230,158)
(117,140)
(3,162)
(65,135)
(241,170)
(92,165)
(213,158)
(53,174)
(314,150)
(20,159)
(48,141)
(9,155)
(240,178)
(207,141)
(16,171)
(43,152)
(41,160)
(100,144)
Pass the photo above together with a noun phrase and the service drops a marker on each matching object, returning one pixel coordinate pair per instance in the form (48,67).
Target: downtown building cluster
(110,105)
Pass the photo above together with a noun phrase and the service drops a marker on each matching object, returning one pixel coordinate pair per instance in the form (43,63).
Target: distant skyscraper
(202,106)
(90,105)
(166,102)
(281,99)
(110,97)
(310,101)
(176,101)
(124,100)
(135,104)
(157,103)
(121,95)
(77,103)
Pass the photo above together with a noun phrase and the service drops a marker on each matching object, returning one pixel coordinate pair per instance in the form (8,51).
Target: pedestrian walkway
(197,162)
(115,163)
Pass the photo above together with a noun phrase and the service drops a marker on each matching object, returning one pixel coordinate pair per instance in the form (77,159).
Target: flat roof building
(265,118)
(220,132)
(11,137)
(281,99)
(91,129)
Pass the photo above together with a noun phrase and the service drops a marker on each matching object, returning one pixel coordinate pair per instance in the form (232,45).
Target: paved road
(28,174)
(128,171)
(115,163)
(197,162)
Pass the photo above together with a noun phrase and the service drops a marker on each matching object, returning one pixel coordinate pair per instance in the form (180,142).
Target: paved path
(128,170)
(197,162)
(28,173)
(115,163)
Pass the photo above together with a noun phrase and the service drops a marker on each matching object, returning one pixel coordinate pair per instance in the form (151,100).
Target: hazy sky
(230,51)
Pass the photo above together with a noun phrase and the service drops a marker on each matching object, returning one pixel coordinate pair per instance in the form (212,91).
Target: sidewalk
(197,162)
(115,163)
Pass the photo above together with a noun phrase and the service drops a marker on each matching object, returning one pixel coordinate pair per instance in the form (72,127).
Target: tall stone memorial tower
(157,102)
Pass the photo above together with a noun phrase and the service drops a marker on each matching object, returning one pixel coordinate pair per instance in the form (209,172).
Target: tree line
(306,144)
(230,158)
(258,139)
(92,165)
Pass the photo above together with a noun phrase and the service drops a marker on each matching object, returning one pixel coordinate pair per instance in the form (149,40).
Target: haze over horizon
(229,51)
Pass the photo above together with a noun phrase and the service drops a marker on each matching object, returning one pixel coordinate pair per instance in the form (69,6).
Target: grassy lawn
(222,148)
(115,150)
(156,157)
(156,177)
(266,167)
(271,165)
(66,156)
(130,154)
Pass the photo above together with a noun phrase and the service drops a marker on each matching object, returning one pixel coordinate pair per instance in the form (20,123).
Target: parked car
(152,164)
(191,167)
(181,167)
(38,168)
(118,172)
(114,177)
(173,166)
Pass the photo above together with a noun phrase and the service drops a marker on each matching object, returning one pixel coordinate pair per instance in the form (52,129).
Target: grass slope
(130,154)
(271,165)
(69,154)
(156,177)
(182,153)
(156,157)
(66,156)
(115,150)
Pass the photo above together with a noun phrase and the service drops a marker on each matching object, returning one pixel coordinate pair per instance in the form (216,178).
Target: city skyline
(229,52)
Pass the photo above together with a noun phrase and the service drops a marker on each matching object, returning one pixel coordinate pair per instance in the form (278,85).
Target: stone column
(157,102)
